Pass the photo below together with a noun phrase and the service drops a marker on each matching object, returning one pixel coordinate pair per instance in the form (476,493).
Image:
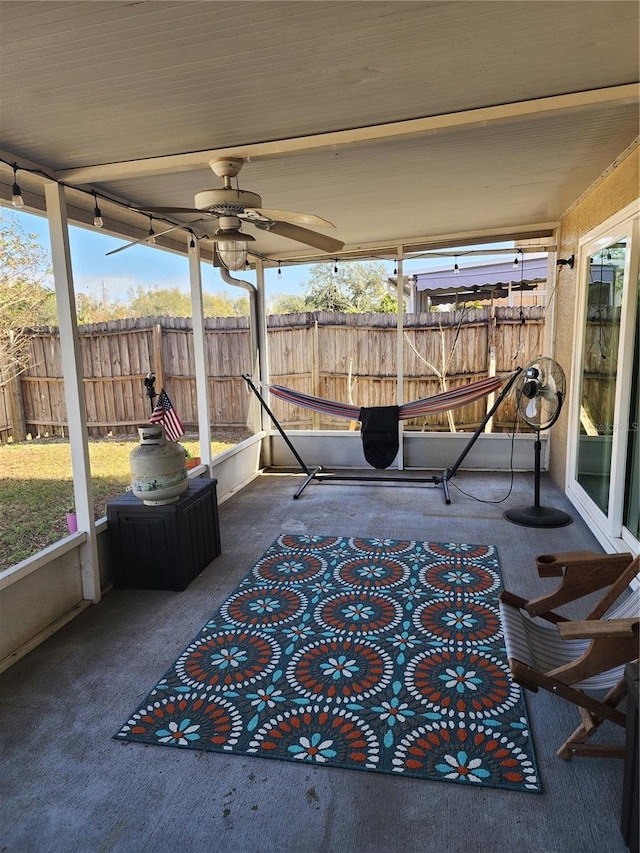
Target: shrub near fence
(312,352)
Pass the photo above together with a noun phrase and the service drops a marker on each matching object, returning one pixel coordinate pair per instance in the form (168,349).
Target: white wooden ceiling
(415,123)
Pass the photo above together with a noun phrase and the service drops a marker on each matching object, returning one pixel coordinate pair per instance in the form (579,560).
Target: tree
(287,303)
(353,287)
(173,302)
(27,299)
(94,309)
(388,304)
(168,302)
(221,305)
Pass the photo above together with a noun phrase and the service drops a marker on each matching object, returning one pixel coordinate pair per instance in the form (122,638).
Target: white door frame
(608,528)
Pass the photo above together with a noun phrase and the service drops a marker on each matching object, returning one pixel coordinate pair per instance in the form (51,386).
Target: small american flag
(165,414)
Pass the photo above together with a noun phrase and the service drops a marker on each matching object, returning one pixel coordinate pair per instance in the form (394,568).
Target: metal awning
(481,280)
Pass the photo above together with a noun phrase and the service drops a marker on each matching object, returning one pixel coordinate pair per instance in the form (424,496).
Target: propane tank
(158,467)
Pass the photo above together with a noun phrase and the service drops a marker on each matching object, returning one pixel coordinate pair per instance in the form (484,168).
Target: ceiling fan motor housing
(227,201)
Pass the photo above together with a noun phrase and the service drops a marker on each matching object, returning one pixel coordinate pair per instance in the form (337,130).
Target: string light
(335,268)
(516,262)
(16,192)
(456,268)
(97,216)
(279,269)
(17,199)
(192,243)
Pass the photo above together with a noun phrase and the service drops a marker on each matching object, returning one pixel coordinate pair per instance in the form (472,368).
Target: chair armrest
(583,572)
(593,629)
(555,565)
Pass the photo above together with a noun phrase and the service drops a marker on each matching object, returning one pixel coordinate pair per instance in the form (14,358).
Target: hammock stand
(439,402)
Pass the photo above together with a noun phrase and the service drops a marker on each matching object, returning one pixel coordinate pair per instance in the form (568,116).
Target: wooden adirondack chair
(572,658)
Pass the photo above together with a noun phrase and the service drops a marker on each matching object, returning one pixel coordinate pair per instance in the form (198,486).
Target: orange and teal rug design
(367,654)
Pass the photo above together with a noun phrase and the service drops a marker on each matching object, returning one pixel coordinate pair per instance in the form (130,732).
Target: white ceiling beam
(419,244)
(172,163)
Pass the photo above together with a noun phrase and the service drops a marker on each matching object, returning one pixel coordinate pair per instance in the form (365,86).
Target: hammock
(380,434)
(454,399)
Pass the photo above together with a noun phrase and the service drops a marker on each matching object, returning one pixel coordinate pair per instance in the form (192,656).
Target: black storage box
(164,547)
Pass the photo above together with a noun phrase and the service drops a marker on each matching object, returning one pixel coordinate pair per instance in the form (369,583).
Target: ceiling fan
(228,207)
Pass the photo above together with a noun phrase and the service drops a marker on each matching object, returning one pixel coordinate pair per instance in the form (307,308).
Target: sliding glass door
(603,460)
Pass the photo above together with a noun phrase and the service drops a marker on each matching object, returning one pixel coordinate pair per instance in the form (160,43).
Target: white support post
(259,319)
(491,359)
(400,353)
(73,388)
(200,354)
(261,324)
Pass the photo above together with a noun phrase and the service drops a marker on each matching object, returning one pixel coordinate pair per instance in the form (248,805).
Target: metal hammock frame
(427,405)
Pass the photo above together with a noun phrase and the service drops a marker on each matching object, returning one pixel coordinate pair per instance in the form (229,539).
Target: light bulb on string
(97,215)
(516,262)
(335,266)
(151,239)
(16,192)
(456,268)
(192,243)
(279,270)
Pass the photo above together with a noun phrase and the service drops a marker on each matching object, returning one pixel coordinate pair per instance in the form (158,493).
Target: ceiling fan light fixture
(232,243)
(232,235)
(232,253)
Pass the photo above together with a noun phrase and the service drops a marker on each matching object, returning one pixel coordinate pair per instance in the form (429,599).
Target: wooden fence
(313,352)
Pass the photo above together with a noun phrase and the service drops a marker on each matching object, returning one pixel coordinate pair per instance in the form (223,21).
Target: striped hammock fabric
(454,399)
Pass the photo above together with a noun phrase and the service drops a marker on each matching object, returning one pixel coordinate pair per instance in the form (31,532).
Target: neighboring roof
(475,280)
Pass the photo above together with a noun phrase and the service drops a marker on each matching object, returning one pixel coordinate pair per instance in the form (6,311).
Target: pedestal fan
(540,393)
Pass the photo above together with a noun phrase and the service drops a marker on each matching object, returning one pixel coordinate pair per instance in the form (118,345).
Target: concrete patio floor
(66,785)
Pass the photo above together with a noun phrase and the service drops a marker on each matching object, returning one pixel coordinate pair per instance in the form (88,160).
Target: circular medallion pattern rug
(369,654)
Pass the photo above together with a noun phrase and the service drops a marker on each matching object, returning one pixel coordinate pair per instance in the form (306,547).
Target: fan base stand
(538,516)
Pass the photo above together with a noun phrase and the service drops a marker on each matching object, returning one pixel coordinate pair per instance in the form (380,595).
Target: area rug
(371,654)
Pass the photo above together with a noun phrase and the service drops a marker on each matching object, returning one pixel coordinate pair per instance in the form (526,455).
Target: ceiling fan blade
(286,216)
(304,235)
(142,240)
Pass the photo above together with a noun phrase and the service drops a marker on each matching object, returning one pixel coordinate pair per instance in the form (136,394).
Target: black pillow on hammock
(379,434)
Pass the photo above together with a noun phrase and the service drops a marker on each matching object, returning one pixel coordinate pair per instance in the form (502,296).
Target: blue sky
(96,274)
(113,276)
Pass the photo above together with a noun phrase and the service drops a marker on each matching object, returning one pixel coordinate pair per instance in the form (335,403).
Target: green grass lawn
(36,488)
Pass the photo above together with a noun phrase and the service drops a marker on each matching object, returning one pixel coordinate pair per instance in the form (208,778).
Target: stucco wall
(615,191)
